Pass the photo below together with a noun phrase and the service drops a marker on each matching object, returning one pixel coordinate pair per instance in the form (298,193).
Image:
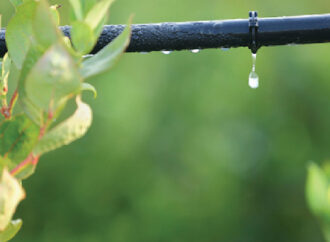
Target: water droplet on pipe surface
(166,52)
(225,49)
(195,51)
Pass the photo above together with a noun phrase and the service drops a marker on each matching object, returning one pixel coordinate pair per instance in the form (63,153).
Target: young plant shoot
(41,72)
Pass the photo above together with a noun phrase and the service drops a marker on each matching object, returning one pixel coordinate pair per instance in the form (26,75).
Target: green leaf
(34,112)
(11,194)
(26,168)
(11,230)
(5,162)
(87,6)
(98,13)
(16,3)
(46,32)
(31,110)
(77,9)
(19,32)
(88,87)
(107,57)
(25,171)
(68,131)
(99,28)
(317,190)
(17,138)
(55,14)
(53,79)
(82,37)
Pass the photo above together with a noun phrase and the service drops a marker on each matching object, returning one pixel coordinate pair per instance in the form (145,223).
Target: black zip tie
(253,29)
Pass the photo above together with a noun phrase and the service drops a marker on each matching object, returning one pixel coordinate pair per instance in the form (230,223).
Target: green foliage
(107,57)
(87,6)
(318,194)
(18,137)
(97,13)
(45,31)
(317,187)
(29,108)
(55,14)
(77,8)
(19,32)
(68,131)
(89,87)
(82,36)
(63,79)
(87,28)
(11,230)
(49,75)
(16,3)
(11,194)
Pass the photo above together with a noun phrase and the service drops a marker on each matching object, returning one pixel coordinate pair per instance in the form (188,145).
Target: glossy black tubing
(215,34)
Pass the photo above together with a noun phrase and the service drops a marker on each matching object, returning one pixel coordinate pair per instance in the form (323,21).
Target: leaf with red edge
(26,168)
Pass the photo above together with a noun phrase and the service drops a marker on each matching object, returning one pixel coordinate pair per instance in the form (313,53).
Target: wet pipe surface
(214,34)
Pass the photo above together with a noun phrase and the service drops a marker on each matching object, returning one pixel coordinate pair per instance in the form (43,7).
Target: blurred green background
(181,148)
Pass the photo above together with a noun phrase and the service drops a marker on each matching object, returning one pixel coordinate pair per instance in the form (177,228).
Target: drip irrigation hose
(305,29)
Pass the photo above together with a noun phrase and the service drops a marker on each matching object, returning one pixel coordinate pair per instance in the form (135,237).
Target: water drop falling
(166,52)
(195,51)
(253,77)
(253,80)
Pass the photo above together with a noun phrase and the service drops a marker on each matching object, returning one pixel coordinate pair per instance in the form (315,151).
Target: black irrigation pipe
(216,34)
